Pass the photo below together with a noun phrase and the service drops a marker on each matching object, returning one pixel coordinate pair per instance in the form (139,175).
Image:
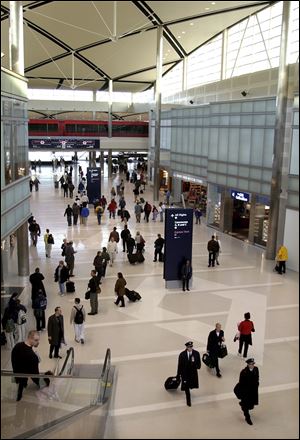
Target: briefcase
(222,351)
(207,360)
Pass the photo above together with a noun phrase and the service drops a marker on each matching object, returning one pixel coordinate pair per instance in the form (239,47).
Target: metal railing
(68,365)
(104,378)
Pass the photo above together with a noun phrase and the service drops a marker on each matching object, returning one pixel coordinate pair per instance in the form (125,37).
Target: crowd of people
(14,318)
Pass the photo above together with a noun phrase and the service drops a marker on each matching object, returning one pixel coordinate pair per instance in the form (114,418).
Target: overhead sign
(93,184)
(178,241)
(244,197)
(63,144)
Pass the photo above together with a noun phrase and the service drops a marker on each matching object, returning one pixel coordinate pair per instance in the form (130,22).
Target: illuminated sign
(63,144)
(244,197)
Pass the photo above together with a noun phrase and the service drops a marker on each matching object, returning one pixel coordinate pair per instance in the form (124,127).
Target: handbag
(87,295)
(222,351)
(236,337)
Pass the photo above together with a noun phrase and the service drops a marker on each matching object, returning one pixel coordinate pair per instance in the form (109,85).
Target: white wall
(291,238)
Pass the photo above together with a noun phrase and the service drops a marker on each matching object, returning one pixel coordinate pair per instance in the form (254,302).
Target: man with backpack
(78,318)
(49,241)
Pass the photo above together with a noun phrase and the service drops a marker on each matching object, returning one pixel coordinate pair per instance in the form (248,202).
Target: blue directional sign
(178,241)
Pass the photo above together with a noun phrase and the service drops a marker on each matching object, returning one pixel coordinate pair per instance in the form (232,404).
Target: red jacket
(246,327)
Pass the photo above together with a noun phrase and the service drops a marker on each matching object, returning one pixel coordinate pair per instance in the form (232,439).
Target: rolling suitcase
(132,258)
(132,295)
(70,287)
(172,383)
(140,257)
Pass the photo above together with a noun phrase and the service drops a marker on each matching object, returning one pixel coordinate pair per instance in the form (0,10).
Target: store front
(243,215)
(165,181)
(194,191)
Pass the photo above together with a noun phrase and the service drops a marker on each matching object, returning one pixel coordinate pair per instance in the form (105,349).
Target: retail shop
(165,181)
(193,189)
(240,214)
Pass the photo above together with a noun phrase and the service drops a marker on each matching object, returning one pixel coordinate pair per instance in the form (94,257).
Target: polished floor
(145,338)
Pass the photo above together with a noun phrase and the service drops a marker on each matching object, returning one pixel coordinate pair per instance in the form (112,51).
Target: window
(173,80)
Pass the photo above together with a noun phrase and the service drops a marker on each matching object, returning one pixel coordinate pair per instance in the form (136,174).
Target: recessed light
(179,36)
(183,32)
(207,9)
(213,3)
(191,24)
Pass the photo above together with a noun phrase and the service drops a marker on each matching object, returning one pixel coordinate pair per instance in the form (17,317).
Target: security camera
(244,93)
(191,101)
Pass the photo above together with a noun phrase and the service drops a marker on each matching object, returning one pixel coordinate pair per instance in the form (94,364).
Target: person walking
(115,235)
(70,257)
(21,320)
(140,242)
(147,210)
(105,259)
(186,274)
(61,275)
(198,215)
(168,195)
(69,214)
(56,332)
(94,290)
(281,258)
(245,328)
(99,212)
(219,251)
(188,363)
(98,265)
(9,325)
(35,232)
(161,210)
(112,249)
(36,280)
(138,211)
(158,247)
(65,188)
(85,212)
(248,388)
(25,360)
(49,241)
(78,319)
(39,306)
(125,235)
(120,289)
(112,208)
(213,248)
(71,188)
(130,244)
(214,342)
(76,212)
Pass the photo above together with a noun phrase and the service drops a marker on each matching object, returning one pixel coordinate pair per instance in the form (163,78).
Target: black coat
(55,330)
(187,369)
(64,274)
(249,382)
(24,360)
(214,342)
(36,280)
(186,272)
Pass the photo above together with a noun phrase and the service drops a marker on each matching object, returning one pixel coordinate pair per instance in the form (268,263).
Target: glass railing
(45,408)
(41,408)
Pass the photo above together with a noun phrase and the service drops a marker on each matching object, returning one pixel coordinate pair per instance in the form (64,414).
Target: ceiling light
(2,54)
(183,32)
(191,24)
(179,36)
(207,9)
(213,3)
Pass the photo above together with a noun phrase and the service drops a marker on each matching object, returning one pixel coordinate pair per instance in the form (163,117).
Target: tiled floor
(146,337)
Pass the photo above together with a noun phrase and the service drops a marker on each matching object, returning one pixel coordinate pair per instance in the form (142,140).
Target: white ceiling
(56,28)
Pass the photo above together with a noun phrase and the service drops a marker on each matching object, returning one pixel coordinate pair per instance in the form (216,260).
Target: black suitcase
(132,258)
(207,360)
(162,259)
(172,383)
(70,287)
(132,295)
(140,257)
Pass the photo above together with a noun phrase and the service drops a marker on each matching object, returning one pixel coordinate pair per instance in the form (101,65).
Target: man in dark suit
(214,342)
(55,329)
(36,280)
(188,364)
(248,384)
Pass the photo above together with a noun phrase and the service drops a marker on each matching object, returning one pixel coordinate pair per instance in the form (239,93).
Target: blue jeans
(61,287)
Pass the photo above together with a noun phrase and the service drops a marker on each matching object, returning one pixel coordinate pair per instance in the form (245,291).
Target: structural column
(226,211)
(184,74)
(159,55)
(102,161)
(278,195)
(16,38)
(23,251)
(109,163)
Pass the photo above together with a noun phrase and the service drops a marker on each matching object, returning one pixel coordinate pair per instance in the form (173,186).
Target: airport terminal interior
(220,81)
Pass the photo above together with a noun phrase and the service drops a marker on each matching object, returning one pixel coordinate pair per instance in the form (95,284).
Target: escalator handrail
(105,371)
(70,352)
(106,360)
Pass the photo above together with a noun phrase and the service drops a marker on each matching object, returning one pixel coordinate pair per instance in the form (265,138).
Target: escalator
(75,405)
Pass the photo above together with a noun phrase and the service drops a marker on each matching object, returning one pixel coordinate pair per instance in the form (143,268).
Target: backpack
(79,315)
(50,239)
(21,317)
